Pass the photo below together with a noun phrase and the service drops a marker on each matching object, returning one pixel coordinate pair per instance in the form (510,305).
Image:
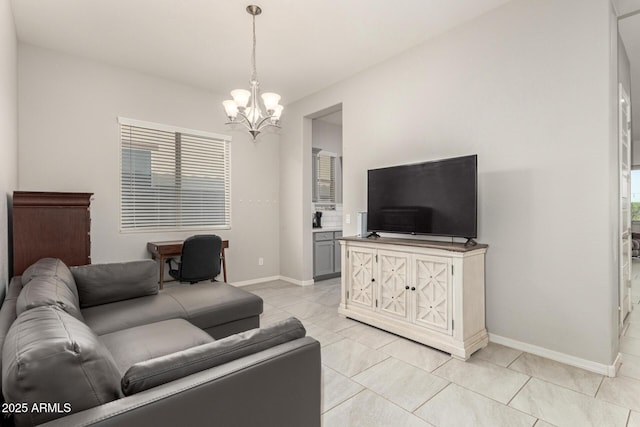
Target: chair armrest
(279,387)
(177,266)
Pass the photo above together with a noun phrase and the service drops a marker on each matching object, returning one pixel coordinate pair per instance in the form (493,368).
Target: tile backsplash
(330,218)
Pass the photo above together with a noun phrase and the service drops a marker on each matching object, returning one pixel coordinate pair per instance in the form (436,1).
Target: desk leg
(161,281)
(224,266)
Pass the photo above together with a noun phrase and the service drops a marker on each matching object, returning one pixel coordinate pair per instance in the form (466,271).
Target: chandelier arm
(241,122)
(243,116)
(250,126)
(262,124)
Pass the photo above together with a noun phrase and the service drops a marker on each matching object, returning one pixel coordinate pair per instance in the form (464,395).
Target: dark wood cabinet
(55,225)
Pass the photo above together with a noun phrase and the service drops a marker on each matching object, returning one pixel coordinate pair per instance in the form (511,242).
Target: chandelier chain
(254,75)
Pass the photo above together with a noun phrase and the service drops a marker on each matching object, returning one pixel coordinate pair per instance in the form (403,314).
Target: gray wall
(69,141)
(528,87)
(8,128)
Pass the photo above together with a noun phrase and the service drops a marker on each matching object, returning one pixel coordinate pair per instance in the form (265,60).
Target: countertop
(318,230)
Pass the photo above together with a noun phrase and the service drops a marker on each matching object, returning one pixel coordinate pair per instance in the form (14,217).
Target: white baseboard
(271,279)
(598,368)
(255,281)
(297,282)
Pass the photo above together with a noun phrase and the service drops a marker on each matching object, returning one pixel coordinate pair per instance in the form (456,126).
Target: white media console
(427,291)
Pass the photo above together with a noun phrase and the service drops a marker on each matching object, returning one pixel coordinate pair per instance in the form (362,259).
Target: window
(326,179)
(172,178)
(324,170)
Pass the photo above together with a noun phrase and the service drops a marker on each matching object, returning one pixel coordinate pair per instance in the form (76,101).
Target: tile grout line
(518,392)
(617,405)
(382,397)
(431,398)
(367,368)
(514,361)
(508,405)
(347,398)
(489,398)
(599,385)
(556,384)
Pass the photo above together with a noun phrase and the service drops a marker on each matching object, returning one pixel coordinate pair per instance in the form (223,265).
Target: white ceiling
(302,46)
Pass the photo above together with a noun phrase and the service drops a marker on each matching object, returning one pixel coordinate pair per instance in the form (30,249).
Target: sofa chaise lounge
(102,345)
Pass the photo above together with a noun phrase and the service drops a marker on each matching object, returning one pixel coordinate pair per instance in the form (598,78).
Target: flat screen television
(436,198)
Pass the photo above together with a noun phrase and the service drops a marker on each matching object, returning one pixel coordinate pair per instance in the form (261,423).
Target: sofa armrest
(104,283)
(161,370)
(279,387)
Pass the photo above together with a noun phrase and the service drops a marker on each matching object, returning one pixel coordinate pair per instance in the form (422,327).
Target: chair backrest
(200,257)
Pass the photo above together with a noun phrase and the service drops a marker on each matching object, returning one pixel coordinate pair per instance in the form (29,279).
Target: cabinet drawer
(323,235)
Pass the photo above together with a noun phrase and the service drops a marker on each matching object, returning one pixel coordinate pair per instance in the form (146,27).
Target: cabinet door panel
(432,297)
(323,258)
(393,273)
(361,270)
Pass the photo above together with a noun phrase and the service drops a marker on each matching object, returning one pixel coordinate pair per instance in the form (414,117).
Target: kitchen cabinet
(326,254)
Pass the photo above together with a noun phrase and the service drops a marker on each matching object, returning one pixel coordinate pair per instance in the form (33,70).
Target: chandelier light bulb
(270,100)
(231,108)
(277,111)
(241,97)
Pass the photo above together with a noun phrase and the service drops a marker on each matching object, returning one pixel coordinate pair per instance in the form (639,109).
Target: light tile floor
(373,378)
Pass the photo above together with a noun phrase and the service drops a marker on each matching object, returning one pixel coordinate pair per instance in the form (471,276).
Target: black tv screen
(437,198)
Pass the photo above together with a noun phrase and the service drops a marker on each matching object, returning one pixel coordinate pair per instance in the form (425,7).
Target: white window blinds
(326,179)
(172,178)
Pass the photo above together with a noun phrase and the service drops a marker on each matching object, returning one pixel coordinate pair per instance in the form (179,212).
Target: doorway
(326,182)
(625,250)
(629,165)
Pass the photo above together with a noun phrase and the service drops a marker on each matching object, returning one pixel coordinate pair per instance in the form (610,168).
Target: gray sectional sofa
(102,345)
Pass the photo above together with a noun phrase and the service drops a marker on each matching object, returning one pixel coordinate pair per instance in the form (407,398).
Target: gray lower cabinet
(326,254)
(337,252)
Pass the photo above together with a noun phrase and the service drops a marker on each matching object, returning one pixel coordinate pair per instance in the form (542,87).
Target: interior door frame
(624,152)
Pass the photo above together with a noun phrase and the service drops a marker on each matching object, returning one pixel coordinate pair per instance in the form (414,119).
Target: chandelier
(244,107)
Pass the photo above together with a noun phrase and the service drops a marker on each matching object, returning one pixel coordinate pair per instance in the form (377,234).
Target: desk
(173,248)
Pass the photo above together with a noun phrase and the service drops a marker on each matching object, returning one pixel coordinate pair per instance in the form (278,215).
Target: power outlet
(260,261)
(347,218)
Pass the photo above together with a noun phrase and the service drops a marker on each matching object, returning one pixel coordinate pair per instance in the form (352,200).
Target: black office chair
(200,259)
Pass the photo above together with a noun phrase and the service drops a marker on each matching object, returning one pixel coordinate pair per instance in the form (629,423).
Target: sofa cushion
(161,370)
(49,356)
(104,283)
(211,304)
(115,316)
(50,267)
(145,342)
(205,305)
(43,290)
